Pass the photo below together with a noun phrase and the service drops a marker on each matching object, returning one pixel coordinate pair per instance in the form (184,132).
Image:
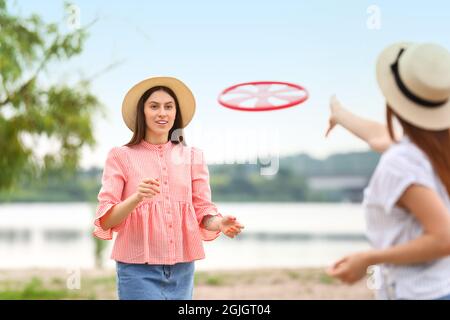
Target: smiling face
(160,113)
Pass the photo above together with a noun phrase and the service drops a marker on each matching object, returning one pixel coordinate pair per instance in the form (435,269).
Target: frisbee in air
(262,96)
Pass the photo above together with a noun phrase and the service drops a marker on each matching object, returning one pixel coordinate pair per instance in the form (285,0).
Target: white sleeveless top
(387,225)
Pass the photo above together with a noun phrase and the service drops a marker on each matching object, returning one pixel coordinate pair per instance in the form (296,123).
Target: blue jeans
(155,282)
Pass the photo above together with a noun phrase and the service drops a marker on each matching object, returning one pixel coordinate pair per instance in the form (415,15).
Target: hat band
(411,96)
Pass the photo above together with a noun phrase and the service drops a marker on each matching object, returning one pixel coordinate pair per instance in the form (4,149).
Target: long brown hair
(435,144)
(140,127)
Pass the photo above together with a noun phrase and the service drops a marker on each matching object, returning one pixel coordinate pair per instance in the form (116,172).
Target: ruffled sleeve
(113,181)
(201,193)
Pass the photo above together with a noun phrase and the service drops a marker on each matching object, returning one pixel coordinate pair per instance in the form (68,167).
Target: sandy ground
(271,284)
(277,284)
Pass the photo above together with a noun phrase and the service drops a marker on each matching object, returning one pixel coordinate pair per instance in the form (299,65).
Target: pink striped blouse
(164,229)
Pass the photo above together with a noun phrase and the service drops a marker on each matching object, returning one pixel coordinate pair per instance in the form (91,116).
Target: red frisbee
(262,96)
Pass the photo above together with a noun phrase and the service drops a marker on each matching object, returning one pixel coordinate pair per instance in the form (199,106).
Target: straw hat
(184,96)
(415,80)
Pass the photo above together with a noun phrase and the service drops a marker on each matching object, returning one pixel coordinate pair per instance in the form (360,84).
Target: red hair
(435,144)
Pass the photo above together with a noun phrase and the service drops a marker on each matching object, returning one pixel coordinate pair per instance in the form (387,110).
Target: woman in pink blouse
(156,196)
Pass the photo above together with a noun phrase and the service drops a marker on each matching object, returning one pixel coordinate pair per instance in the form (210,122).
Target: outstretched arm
(373,133)
(434,243)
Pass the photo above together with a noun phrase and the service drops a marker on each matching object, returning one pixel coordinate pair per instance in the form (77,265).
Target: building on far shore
(348,188)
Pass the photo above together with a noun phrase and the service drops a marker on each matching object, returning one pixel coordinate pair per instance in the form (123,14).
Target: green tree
(28,107)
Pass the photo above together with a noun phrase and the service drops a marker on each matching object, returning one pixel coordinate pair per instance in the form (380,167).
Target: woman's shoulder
(404,156)
(196,150)
(188,148)
(196,154)
(401,165)
(119,152)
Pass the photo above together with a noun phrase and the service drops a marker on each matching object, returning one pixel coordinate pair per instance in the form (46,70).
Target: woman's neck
(156,139)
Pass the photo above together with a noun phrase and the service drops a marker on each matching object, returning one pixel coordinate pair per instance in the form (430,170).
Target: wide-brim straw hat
(415,80)
(184,96)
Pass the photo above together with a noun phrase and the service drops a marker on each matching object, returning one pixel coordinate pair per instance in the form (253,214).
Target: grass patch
(35,290)
(215,281)
(326,279)
(292,274)
(203,278)
(105,281)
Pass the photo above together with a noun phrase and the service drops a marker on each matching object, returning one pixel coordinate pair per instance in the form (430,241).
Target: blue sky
(325,46)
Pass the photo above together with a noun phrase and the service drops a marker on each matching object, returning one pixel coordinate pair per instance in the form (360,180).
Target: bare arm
(433,244)
(431,212)
(373,133)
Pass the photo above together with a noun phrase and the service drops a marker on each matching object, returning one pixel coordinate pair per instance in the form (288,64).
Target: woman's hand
(148,188)
(335,108)
(230,227)
(351,268)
